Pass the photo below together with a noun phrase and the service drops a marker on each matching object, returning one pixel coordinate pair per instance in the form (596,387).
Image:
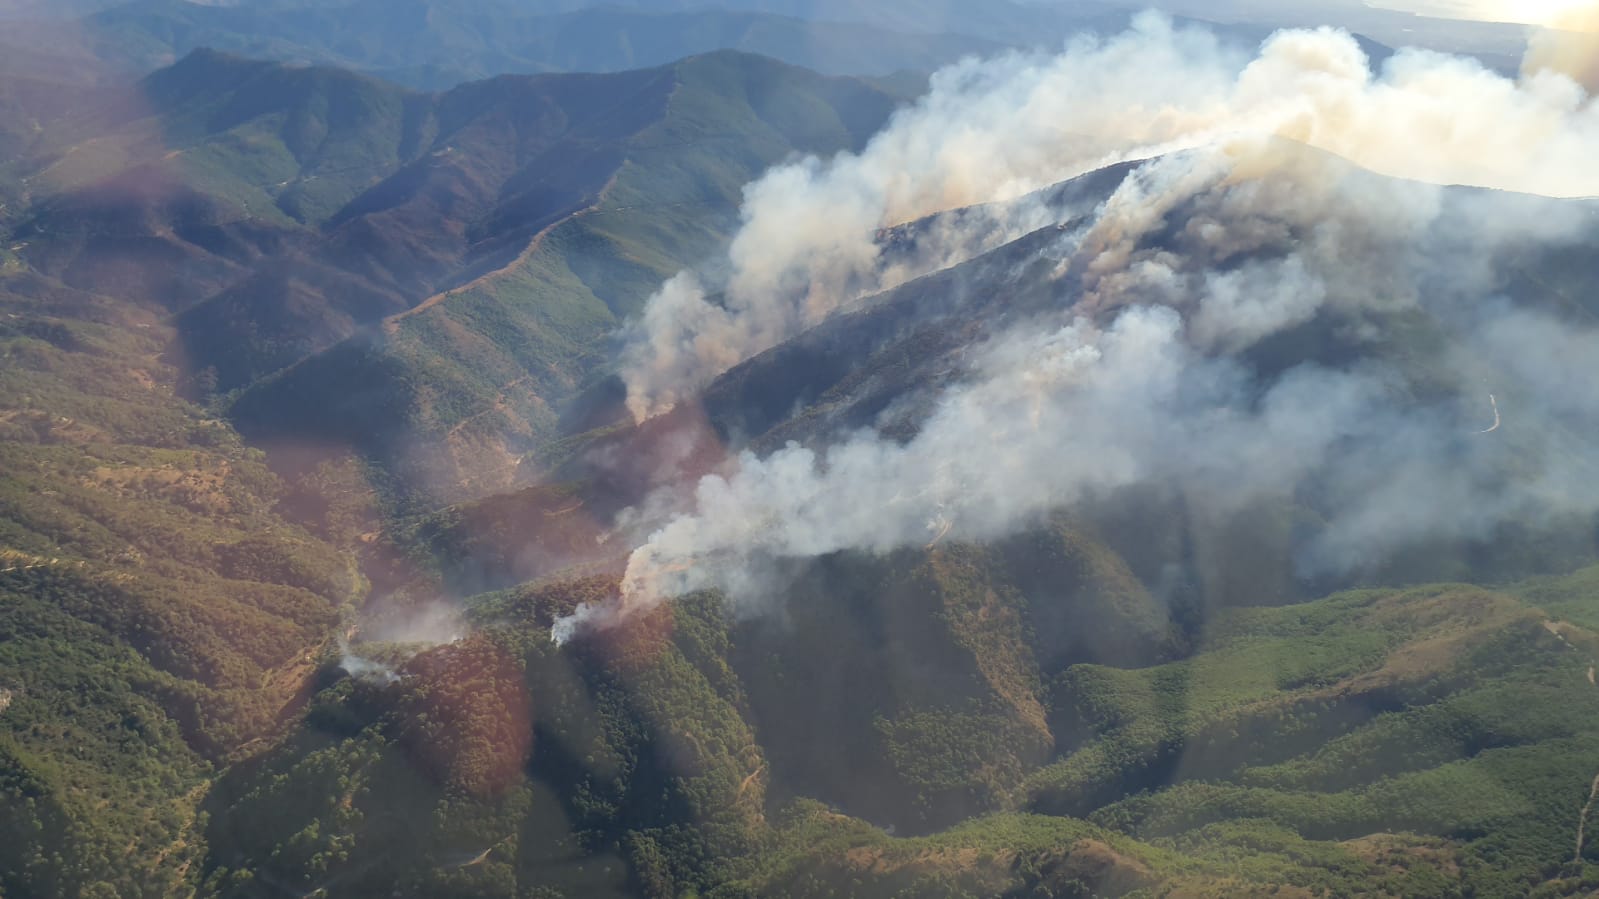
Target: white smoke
(1199,255)
(430,623)
(405,629)
(1569,46)
(364,669)
(998,129)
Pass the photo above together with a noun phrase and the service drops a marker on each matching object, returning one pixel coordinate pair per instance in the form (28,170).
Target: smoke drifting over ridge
(996,130)
(1236,234)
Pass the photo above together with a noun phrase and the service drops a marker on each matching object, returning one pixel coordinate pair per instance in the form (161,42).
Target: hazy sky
(1530,11)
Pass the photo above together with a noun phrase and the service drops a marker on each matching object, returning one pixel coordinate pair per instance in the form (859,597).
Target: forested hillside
(471,380)
(1133,698)
(689,752)
(159,616)
(214,223)
(452,262)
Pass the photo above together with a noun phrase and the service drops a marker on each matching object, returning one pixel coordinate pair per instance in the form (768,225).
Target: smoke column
(998,129)
(1135,379)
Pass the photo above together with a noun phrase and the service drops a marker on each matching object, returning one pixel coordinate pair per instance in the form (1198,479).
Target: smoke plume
(1569,47)
(403,630)
(998,129)
(364,669)
(1291,188)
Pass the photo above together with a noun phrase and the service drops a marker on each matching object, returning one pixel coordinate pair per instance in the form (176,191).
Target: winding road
(1593,790)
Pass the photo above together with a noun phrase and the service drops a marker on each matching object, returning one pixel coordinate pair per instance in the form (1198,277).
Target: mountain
(1217,523)
(437,44)
(158,612)
(1007,22)
(1130,698)
(1134,696)
(308,223)
(1423,742)
(171,601)
(520,320)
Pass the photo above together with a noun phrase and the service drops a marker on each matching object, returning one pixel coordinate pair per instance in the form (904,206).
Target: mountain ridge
(434,45)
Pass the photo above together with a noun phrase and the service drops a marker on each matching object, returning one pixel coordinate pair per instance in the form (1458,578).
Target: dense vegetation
(1433,741)
(422,279)
(156,612)
(471,382)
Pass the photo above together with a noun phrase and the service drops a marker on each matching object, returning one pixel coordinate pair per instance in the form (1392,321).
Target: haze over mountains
(436,44)
(433,45)
(1148,468)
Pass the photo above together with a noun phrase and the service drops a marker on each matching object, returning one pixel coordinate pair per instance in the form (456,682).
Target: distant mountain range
(436,44)
(433,44)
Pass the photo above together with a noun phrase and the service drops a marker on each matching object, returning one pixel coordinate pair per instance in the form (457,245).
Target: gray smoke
(1198,257)
(364,669)
(999,129)
(405,630)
